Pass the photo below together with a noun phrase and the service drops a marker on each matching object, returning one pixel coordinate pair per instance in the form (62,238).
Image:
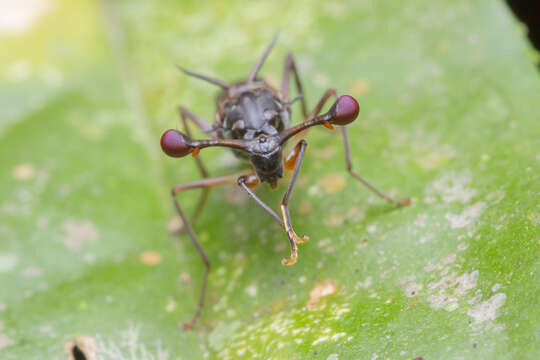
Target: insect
(254,120)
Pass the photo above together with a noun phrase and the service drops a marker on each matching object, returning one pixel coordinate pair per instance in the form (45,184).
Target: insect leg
(400,202)
(243,182)
(200,122)
(289,67)
(317,109)
(202,183)
(327,95)
(203,125)
(299,151)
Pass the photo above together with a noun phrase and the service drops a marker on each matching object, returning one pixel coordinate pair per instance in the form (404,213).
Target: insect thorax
(249,113)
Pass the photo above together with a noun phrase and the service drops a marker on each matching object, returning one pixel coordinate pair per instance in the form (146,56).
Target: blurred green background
(449,116)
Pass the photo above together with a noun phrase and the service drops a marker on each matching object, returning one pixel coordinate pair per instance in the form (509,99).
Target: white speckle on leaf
(364,284)
(47,330)
(421,220)
(8,261)
(467,216)
(466,282)
(429,268)
(221,333)
(251,290)
(426,238)
(448,259)
(129,346)
(487,310)
(314,190)
(412,289)
(3,306)
(495,197)
(476,298)
(171,305)
(333,357)
(495,287)
(78,233)
(32,271)
(445,297)
(452,188)
(442,300)
(320,339)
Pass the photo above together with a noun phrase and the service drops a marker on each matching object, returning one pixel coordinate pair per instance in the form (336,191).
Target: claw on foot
(289,262)
(297,239)
(301,239)
(294,256)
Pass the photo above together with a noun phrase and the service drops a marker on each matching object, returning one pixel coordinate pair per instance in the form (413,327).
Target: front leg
(294,160)
(296,157)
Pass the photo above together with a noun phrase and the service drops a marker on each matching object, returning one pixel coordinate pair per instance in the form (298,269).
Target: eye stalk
(344,111)
(173,143)
(176,144)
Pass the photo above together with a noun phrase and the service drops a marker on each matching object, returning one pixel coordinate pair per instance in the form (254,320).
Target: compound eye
(173,143)
(346,110)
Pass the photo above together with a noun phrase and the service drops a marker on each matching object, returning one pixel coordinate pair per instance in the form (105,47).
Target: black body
(249,111)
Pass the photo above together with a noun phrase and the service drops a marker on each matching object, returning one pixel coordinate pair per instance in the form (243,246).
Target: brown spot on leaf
(185,277)
(150,258)
(24,172)
(332,183)
(277,306)
(322,289)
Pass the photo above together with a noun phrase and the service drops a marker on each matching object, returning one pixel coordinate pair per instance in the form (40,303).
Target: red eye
(174,144)
(347,109)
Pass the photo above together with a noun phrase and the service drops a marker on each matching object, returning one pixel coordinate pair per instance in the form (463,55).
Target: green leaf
(449,116)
